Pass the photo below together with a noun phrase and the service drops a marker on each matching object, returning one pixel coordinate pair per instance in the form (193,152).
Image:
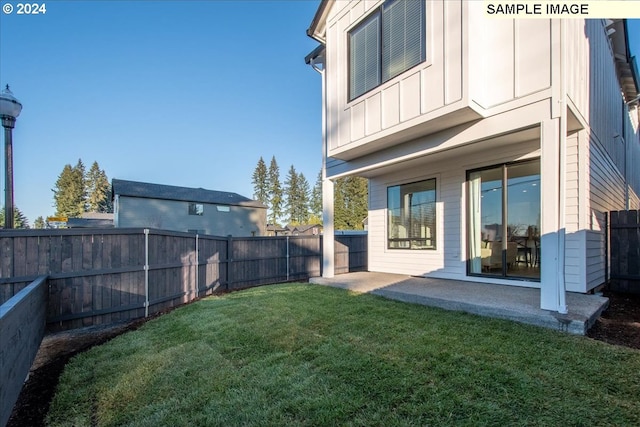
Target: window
(412,215)
(387,43)
(196,209)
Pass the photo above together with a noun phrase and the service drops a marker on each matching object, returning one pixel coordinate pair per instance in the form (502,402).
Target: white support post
(328,234)
(550,213)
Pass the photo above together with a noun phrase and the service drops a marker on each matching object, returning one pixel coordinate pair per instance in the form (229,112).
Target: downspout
(562,184)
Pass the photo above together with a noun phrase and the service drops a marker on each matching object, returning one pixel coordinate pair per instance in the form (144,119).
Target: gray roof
(170,192)
(90,222)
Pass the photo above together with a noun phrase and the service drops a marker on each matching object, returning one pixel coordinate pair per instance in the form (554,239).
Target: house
(494,148)
(197,210)
(304,230)
(276,230)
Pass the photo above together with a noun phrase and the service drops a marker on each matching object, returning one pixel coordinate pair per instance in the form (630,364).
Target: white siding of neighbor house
(448,260)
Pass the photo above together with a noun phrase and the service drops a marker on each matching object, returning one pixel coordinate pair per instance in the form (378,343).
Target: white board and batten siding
(467,68)
(403,102)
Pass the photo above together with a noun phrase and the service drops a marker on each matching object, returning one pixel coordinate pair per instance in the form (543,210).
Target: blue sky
(187,93)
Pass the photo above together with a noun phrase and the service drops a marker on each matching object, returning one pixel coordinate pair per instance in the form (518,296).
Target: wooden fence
(99,276)
(624,241)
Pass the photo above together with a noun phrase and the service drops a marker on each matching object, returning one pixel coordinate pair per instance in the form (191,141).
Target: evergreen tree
(315,203)
(98,190)
(302,210)
(69,192)
(260,182)
(275,191)
(292,193)
(39,223)
(19,220)
(350,203)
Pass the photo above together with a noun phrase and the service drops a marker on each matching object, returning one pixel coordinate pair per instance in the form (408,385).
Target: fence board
(624,232)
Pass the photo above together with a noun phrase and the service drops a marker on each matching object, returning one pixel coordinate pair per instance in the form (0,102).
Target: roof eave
(317,29)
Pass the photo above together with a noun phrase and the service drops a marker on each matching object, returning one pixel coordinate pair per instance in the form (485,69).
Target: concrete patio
(498,301)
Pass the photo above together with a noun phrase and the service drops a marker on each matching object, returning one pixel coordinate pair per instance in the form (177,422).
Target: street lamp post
(10,109)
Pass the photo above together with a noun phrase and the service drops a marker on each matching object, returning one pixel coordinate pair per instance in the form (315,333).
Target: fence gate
(624,229)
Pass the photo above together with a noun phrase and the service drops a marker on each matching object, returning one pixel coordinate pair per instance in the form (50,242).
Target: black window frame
(193,209)
(412,241)
(378,14)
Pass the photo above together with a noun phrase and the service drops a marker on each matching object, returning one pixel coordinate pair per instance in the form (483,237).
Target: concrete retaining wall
(22,327)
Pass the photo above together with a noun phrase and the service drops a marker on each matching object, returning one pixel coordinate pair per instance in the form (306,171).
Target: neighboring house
(294,230)
(494,148)
(140,204)
(304,230)
(276,230)
(91,220)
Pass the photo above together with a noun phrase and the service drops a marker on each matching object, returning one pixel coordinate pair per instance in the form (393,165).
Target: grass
(299,354)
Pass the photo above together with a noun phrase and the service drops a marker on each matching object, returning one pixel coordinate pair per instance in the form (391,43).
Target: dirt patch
(619,324)
(54,353)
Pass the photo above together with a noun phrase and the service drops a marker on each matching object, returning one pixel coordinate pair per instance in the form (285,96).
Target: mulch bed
(619,324)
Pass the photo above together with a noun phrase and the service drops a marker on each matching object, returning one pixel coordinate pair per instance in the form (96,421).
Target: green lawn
(299,354)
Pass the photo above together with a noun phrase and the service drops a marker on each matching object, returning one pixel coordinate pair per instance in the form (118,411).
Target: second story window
(196,209)
(390,41)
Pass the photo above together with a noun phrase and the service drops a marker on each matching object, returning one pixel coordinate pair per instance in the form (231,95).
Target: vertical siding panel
(499,63)
(391,106)
(432,86)
(357,121)
(533,58)
(373,118)
(453,51)
(410,97)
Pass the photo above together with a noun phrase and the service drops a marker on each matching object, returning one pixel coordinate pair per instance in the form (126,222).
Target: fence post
(229,259)
(197,267)
(146,272)
(606,249)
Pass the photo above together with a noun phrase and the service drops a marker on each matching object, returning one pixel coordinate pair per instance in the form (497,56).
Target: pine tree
(292,194)
(19,220)
(303,202)
(39,223)
(315,203)
(69,192)
(350,203)
(275,191)
(98,190)
(260,182)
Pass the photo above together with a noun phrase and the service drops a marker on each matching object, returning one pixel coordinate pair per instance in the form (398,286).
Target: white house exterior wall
(428,91)
(448,260)
(479,83)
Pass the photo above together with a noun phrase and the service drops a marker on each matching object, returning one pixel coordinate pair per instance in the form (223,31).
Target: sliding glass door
(499,247)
